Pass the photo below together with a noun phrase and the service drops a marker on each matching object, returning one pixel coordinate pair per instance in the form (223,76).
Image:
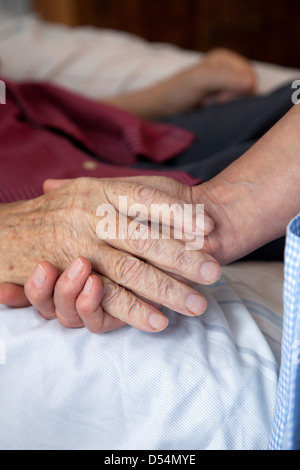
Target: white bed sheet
(205,383)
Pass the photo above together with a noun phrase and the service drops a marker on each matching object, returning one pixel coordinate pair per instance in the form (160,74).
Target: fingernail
(157,321)
(75,269)
(39,277)
(195,304)
(88,286)
(210,272)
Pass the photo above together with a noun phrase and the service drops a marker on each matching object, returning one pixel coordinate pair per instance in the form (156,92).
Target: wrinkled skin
(61,226)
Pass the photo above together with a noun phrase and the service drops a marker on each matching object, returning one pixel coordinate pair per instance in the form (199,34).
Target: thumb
(13,296)
(52,185)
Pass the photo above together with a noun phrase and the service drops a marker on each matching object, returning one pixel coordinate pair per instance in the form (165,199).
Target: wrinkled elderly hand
(61,226)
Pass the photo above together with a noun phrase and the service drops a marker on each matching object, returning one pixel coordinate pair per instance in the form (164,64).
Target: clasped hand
(104,284)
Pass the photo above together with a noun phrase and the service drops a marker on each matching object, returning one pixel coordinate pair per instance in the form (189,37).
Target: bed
(217,382)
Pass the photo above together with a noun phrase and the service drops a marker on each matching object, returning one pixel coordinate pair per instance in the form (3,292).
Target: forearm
(146,104)
(254,199)
(171,96)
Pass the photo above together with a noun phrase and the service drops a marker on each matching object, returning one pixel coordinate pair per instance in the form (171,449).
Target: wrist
(216,244)
(235,233)
(253,200)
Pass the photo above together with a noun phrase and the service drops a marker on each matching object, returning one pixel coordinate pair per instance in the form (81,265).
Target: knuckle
(159,248)
(70,323)
(63,288)
(35,296)
(166,288)
(136,311)
(182,258)
(97,329)
(144,193)
(62,320)
(129,270)
(48,316)
(84,309)
(81,182)
(111,295)
(141,244)
(32,295)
